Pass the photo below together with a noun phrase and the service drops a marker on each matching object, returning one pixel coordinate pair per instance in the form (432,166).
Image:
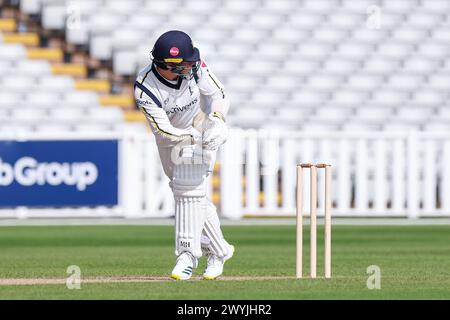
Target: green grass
(414,263)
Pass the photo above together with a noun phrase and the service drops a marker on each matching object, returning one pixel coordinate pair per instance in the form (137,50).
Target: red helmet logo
(174,51)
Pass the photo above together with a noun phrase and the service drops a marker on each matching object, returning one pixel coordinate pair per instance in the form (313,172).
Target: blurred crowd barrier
(119,174)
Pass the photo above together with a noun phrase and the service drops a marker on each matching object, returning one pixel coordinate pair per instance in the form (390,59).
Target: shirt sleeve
(160,124)
(212,90)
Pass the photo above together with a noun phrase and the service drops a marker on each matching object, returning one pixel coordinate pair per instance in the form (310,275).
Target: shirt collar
(165,81)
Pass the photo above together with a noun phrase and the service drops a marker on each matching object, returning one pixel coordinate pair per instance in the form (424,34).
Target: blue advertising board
(59,173)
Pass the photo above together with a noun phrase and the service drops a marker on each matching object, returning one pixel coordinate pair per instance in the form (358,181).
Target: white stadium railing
(375,174)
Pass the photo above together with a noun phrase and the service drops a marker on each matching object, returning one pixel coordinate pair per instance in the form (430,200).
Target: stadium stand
(299,63)
(38,73)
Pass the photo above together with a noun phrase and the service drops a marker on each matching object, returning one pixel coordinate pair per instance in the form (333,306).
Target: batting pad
(189,189)
(212,240)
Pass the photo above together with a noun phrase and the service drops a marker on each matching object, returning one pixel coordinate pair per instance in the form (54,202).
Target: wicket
(313,219)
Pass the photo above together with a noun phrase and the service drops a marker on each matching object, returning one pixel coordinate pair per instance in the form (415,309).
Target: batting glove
(216,132)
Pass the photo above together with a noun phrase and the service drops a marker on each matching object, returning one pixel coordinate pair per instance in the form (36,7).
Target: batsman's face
(182,68)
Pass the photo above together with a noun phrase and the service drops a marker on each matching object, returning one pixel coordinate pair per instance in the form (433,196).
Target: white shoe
(186,262)
(214,265)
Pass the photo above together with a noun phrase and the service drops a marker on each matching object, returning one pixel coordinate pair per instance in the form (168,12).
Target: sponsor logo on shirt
(142,103)
(183,108)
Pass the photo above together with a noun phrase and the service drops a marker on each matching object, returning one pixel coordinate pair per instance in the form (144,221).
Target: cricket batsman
(186,107)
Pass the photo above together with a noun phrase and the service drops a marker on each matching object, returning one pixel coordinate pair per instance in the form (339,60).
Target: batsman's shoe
(214,265)
(186,262)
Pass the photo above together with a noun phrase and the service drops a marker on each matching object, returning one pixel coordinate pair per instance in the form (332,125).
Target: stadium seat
(125,62)
(408,35)
(345,21)
(272,50)
(379,66)
(267,98)
(140,21)
(226,21)
(419,65)
(77,32)
(310,126)
(238,6)
(280,6)
(101,47)
(394,50)
(399,6)
(388,97)
(29,115)
(214,35)
(428,98)
(431,50)
(236,98)
(364,82)
(54,16)
(31,7)
(348,98)
(336,66)
(12,52)
(17,83)
(313,51)
(400,127)
(392,20)
(413,115)
(127,38)
(128,7)
(422,20)
(359,6)
(357,127)
(264,20)
(9,99)
(437,126)
(42,99)
(323,82)
(404,82)
(68,114)
(80,99)
(105,114)
(234,50)
(292,115)
(443,114)
(105,23)
(53,128)
(439,82)
(285,34)
(223,67)
(332,114)
(435,6)
(300,67)
(243,82)
(373,114)
(329,35)
(32,67)
(55,83)
(161,7)
(319,6)
(308,98)
(368,36)
(93,128)
(304,20)
(282,83)
(16,128)
(187,22)
(259,67)
(440,35)
(4,113)
(5,67)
